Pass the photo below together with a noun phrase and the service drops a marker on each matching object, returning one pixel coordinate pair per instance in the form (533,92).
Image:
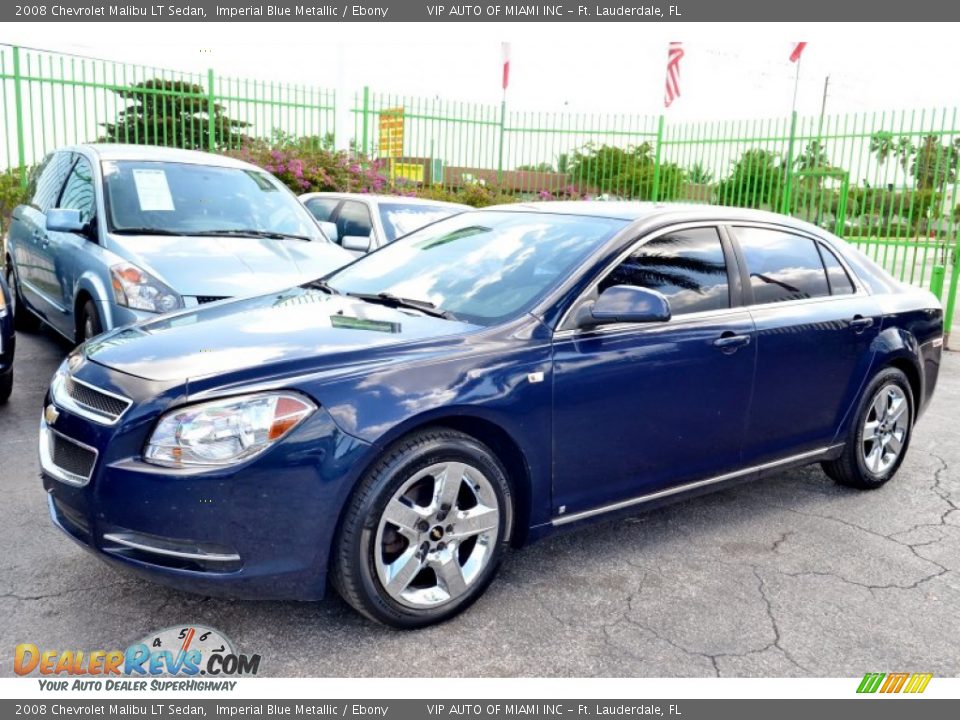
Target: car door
(63,251)
(815,327)
(35,273)
(638,408)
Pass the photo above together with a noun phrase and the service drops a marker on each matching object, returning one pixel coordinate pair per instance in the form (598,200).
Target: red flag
(674,54)
(505,49)
(797,51)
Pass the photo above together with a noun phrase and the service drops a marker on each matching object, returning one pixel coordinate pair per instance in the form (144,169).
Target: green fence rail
(886,181)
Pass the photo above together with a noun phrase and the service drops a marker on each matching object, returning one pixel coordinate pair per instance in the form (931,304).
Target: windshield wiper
(250,233)
(391,300)
(145,231)
(321,285)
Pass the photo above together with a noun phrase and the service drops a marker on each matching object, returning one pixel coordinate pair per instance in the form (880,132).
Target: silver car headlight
(139,290)
(225,432)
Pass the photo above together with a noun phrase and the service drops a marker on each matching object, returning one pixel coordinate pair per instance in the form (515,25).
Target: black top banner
(447,11)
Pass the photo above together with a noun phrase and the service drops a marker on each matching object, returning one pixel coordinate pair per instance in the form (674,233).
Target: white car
(361,222)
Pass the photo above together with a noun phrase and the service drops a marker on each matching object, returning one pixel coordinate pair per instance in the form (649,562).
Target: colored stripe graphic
(894,683)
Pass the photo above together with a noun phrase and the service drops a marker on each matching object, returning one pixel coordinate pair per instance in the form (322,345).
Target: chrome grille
(96,401)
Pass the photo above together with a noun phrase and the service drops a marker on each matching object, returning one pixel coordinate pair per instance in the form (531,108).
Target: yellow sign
(391,132)
(408,171)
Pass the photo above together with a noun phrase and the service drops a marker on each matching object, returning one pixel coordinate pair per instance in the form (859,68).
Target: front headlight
(139,290)
(225,432)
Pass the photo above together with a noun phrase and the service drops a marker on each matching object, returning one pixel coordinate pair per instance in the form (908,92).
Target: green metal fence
(886,181)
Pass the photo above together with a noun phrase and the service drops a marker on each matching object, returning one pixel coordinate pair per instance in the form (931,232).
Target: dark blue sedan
(493,377)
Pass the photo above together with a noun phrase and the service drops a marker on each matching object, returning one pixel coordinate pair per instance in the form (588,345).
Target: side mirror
(625,304)
(329,229)
(357,243)
(64,220)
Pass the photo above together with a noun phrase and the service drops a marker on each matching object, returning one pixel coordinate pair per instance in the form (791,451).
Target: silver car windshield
(482,266)
(168,198)
(402,218)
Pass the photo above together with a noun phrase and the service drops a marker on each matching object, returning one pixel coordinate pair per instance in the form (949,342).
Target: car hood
(308,328)
(229,266)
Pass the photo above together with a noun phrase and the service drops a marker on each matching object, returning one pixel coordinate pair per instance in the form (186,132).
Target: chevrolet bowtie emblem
(50,414)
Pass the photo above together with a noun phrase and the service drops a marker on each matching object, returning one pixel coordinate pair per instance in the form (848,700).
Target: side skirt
(700,487)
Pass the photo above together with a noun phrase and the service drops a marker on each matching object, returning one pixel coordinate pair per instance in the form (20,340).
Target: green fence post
(365,142)
(655,191)
(936,280)
(952,293)
(211,110)
(788,175)
(18,104)
(503,125)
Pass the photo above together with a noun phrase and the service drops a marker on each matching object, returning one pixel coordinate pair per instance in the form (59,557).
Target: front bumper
(258,530)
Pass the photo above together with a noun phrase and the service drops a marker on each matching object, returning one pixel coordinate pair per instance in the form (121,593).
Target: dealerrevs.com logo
(891,683)
(182,651)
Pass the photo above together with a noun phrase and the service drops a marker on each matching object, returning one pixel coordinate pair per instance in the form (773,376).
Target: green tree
(543,167)
(932,163)
(699,175)
(624,172)
(174,113)
(755,180)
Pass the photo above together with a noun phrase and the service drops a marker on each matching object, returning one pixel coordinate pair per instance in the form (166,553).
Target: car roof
(380,197)
(660,213)
(641,210)
(121,151)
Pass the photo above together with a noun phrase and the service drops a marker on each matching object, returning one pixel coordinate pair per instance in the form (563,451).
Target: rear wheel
(880,434)
(89,324)
(425,531)
(23,319)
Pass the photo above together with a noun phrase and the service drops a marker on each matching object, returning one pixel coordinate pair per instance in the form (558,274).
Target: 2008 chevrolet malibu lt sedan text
(397,425)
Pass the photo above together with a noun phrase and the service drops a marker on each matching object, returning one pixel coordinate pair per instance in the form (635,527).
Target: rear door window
(840,283)
(782,266)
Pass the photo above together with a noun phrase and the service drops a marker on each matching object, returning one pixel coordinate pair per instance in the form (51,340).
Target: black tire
(89,324)
(850,468)
(6,386)
(354,571)
(23,319)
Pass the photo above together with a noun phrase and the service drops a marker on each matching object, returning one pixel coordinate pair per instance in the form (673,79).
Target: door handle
(729,342)
(860,323)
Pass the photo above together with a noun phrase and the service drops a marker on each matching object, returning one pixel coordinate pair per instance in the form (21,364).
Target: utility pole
(823,105)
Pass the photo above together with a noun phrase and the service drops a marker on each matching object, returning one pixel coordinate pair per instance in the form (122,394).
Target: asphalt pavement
(790,576)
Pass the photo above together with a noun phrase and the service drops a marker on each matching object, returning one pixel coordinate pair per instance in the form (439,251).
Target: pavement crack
(777,635)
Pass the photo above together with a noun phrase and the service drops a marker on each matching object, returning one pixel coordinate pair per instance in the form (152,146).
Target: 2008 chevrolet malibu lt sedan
(396,426)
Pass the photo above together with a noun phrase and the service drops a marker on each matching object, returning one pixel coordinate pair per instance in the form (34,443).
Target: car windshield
(400,219)
(165,198)
(482,266)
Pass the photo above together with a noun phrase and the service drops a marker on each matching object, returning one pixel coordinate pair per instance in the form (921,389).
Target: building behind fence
(886,181)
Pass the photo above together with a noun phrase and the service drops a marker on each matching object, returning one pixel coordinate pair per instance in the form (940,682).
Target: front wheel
(425,531)
(89,324)
(878,439)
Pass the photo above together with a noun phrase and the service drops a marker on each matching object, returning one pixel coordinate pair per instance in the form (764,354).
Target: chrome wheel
(885,429)
(436,535)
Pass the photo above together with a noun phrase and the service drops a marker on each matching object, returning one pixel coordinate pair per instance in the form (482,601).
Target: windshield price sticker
(153,191)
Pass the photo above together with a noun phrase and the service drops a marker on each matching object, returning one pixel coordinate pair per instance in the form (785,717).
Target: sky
(741,72)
